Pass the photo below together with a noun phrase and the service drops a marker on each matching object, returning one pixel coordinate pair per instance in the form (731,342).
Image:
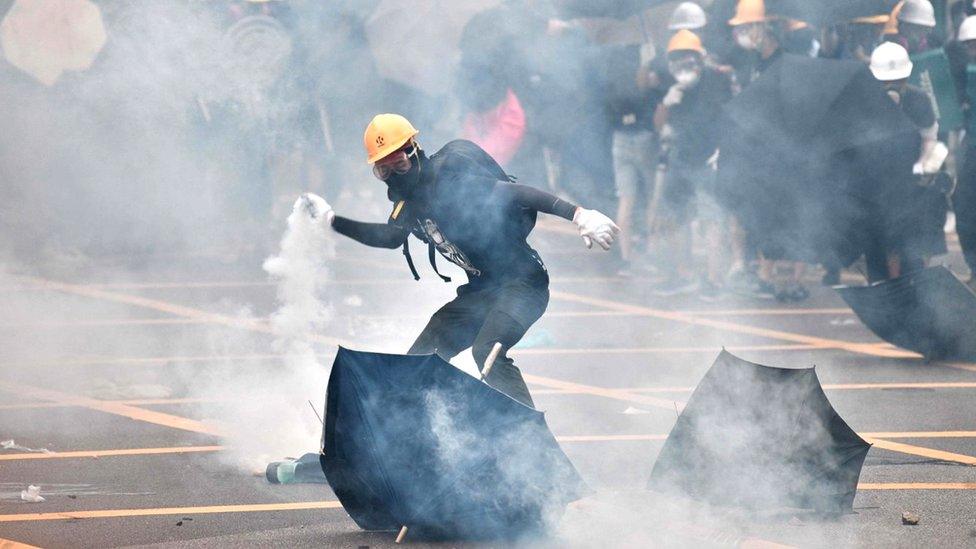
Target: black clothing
(964,205)
(630,108)
(480,317)
(695,120)
(473,219)
(466,208)
(917,105)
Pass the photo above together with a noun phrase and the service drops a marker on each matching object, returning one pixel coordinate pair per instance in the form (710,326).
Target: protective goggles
(396,163)
(686,64)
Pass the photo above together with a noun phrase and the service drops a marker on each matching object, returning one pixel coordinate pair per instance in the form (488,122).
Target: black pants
(481,316)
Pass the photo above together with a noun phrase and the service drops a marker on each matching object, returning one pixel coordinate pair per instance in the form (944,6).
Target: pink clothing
(498,131)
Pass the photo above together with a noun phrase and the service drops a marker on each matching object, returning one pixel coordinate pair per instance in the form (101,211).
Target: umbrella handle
(402,534)
(490,361)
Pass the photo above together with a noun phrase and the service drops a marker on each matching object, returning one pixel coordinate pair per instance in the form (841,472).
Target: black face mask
(406,186)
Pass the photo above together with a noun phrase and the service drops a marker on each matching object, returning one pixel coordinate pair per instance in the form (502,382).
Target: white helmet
(688,15)
(967,30)
(890,61)
(917,12)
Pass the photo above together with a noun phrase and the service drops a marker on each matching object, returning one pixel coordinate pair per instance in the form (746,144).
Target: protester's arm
(375,235)
(534,199)
(593,225)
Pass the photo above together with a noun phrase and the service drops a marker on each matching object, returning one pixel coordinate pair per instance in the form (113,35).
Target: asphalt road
(103,366)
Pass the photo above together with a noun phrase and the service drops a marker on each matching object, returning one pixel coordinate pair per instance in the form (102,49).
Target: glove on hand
(316,207)
(594,226)
(674,96)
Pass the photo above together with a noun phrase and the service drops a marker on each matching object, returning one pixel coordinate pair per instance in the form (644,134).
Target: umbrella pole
(490,361)
(402,534)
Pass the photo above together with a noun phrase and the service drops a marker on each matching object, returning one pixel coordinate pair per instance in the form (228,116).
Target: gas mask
(686,71)
(686,78)
(404,184)
(749,37)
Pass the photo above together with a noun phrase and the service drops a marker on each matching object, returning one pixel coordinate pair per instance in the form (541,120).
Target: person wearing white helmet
(687,16)
(891,65)
(916,21)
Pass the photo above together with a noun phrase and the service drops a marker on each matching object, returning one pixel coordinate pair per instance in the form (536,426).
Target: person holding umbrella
(464,206)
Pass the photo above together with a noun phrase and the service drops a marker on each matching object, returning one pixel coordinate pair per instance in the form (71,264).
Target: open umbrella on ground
(761,437)
(44,38)
(411,441)
(816,160)
(929,311)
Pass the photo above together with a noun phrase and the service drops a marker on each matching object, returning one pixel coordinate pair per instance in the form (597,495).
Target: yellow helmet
(385,134)
(749,11)
(685,40)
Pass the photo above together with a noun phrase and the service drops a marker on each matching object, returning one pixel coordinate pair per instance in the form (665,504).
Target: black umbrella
(929,311)
(409,440)
(826,12)
(761,437)
(813,155)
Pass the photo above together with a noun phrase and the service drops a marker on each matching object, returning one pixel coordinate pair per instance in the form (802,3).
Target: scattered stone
(909,519)
(72,496)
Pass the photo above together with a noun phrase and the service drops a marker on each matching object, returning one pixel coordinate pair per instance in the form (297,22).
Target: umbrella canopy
(416,43)
(761,437)
(929,311)
(44,38)
(813,155)
(826,12)
(410,440)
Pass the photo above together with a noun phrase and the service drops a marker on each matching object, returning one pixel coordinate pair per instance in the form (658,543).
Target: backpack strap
(406,254)
(432,257)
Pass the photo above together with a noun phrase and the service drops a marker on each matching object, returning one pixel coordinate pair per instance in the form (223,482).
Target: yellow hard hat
(385,134)
(749,11)
(891,27)
(685,40)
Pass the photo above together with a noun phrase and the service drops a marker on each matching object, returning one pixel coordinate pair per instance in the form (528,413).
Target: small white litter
(11,445)
(353,301)
(32,494)
(843,322)
(631,411)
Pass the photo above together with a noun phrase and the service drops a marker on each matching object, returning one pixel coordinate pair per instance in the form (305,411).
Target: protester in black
(464,206)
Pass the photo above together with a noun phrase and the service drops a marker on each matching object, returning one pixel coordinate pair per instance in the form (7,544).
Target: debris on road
(843,322)
(11,445)
(909,519)
(631,411)
(32,494)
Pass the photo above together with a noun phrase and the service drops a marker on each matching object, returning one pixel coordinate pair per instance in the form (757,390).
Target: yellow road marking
(922,434)
(186,511)
(111,453)
(110,407)
(134,402)
(968,366)
(828,387)
(872,349)
(916,486)
(768,312)
(167,307)
(921,451)
(89,361)
(105,322)
(601,391)
(656,350)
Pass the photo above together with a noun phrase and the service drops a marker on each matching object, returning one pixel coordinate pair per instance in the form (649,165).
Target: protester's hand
(917,168)
(595,227)
(674,96)
(316,207)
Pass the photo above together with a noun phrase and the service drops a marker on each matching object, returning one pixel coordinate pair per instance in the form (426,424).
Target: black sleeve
(376,235)
(540,201)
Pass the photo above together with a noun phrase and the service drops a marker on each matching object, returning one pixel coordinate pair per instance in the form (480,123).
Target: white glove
(917,168)
(934,160)
(594,226)
(674,96)
(316,207)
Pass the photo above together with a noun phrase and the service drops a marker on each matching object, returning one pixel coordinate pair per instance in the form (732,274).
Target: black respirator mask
(403,183)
